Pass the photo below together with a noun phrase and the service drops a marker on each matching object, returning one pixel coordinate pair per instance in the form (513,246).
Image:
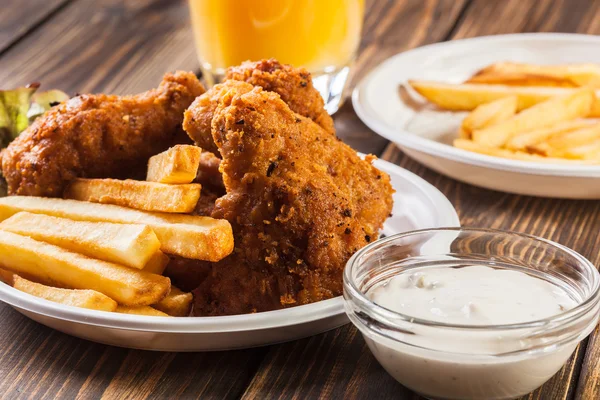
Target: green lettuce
(43,101)
(19,108)
(14,105)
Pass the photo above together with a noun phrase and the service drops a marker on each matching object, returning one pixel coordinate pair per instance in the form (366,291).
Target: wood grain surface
(125,46)
(20,19)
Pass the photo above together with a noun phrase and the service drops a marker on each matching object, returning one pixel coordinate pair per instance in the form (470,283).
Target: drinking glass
(321,35)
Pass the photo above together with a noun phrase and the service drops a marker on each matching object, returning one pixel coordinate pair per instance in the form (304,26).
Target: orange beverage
(321,35)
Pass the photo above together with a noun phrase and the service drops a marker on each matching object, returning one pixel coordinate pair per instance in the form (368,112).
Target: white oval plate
(426,135)
(417,205)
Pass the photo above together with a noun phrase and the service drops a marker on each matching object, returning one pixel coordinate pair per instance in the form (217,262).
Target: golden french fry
(574,74)
(141,195)
(176,304)
(71,297)
(514,155)
(519,79)
(467,96)
(590,152)
(188,236)
(488,114)
(157,263)
(144,310)
(7,276)
(525,139)
(580,149)
(549,112)
(463,134)
(130,245)
(54,265)
(575,138)
(178,165)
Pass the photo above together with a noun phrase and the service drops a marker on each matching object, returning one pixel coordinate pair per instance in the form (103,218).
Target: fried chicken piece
(198,117)
(300,202)
(98,136)
(294,85)
(206,202)
(208,172)
(211,180)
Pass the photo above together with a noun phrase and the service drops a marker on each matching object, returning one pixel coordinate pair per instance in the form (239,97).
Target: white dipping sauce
(463,363)
(474,295)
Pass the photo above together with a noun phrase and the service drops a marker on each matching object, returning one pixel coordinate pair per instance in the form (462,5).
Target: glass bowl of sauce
(457,313)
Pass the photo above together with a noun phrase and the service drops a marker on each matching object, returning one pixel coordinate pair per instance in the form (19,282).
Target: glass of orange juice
(321,35)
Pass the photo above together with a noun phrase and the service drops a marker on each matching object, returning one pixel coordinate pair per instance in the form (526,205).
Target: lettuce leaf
(14,105)
(19,108)
(43,101)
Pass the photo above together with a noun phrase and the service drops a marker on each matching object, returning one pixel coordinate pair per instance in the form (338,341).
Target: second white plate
(417,205)
(426,135)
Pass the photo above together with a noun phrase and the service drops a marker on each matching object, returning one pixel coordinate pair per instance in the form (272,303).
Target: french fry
(574,74)
(130,245)
(71,297)
(589,152)
(580,144)
(549,112)
(520,79)
(188,236)
(140,195)
(52,265)
(526,139)
(177,165)
(575,138)
(144,310)
(176,304)
(157,263)
(7,276)
(467,96)
(489,114)
(514,155)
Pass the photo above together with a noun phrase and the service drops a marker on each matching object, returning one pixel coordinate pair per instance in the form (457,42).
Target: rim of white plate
(404,138)
(234,323)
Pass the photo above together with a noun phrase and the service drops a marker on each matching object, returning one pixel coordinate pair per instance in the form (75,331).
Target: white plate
(417,205)
(426,135)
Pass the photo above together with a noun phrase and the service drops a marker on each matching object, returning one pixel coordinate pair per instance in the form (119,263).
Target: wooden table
(124,46)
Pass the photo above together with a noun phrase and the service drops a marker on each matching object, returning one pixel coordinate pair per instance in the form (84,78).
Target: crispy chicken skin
(198,117)
(300,202)
(211,180)
(98,136)
(294,85)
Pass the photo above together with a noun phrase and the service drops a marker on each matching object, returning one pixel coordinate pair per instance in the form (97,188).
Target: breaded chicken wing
(98,136)
(294,85)
(300,202)
(212,183)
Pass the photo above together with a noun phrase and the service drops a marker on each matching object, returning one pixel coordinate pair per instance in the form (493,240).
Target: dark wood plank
(19,18)
(515,16)
(42,363)
(108,46)
(588,386)
(336,364)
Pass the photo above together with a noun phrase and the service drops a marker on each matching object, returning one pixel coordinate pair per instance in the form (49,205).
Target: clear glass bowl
(447,361)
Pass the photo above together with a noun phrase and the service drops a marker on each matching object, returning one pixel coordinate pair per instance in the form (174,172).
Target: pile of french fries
(105,246)
(526,112)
